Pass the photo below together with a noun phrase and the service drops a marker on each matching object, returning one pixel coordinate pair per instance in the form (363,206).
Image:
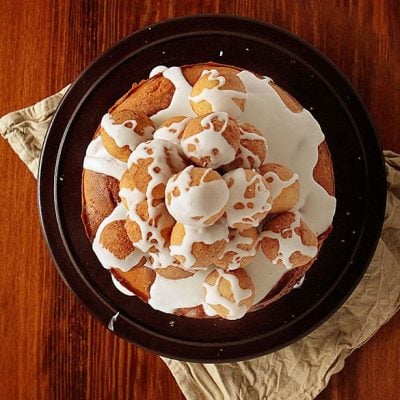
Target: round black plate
(302,71)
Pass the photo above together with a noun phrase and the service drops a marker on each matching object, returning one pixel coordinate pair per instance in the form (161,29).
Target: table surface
(51,348)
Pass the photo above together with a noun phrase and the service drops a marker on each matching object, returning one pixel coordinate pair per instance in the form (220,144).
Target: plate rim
(43,214)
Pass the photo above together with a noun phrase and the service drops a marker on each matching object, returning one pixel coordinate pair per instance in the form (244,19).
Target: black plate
(305,73)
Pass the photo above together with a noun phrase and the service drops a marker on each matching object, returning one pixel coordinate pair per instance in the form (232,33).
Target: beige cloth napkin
(299,371)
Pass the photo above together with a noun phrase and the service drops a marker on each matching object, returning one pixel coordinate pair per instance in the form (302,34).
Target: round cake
(207,191)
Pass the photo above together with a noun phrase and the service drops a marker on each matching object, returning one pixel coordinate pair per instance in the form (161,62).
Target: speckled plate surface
(318,85)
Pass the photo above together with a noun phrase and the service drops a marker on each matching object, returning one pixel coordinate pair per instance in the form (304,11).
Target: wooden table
(50,347)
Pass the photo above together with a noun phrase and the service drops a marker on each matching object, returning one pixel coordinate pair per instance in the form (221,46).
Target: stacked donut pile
(200,195)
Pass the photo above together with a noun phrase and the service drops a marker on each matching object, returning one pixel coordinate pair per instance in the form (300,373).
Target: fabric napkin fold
(303,369)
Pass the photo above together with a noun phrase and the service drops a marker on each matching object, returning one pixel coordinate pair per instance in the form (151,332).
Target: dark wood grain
(50,347)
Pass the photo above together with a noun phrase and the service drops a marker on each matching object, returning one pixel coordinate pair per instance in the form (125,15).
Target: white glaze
(214,297)
(209,139)
(246,154)
(260,202)
(132,196)
(121,287)
(162,259)
(157,70)
(169,294)
(165,161)
(151,229)
(276,184)
(236,241)
(204,200)
(106,257)
(124,135)
(207,235)
(98,159)
(172,132)
(163,166)
(220,99)
(264,275)
(179,104)
(293,140)
(290,244)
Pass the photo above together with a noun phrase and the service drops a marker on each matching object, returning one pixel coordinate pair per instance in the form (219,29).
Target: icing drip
(98,159)
(172,132)
(168,294)
(206,235)
(245,154)
(151,229)
(235,245)
(214,297)
(132,197)
(194,201)
(299,284)
(293,140)
(179,103)
(220,99)
(120,287)
(208,140)
(290,244)
(264,275)
(162,259)
(124,134)
(165,162)
(276,184)
(237,209)
(112,321)
(157,70)
(106,257)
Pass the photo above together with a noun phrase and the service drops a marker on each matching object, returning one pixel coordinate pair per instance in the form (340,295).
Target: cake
(207,191)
